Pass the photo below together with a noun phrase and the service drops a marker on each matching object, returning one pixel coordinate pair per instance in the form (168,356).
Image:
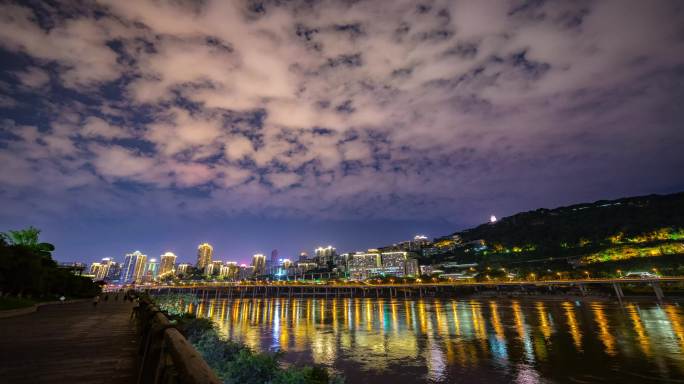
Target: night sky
(130,125)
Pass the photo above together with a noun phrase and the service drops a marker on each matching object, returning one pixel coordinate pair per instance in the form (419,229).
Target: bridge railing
(166,356)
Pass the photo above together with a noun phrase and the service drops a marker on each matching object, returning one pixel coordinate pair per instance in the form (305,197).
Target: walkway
(69,343)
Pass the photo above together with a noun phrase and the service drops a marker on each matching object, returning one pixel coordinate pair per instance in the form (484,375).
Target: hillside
(582,234)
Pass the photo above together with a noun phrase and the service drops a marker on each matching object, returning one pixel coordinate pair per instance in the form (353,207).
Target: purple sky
(155,126)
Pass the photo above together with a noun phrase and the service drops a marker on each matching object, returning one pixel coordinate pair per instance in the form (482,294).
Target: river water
(469,341)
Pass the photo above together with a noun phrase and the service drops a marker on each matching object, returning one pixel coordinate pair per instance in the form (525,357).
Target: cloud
(119,163)
(345,109)
(33,77)
(95,127)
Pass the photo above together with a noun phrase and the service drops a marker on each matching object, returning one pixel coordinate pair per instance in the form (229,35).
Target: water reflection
(439,340)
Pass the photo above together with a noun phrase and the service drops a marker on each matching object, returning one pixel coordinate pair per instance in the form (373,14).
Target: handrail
(166,356)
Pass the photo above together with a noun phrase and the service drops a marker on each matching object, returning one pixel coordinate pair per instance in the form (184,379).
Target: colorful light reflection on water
(443,340)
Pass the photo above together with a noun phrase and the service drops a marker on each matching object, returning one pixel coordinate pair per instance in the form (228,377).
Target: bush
(235,362)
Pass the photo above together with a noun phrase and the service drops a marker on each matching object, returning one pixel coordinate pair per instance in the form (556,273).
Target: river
(470,341)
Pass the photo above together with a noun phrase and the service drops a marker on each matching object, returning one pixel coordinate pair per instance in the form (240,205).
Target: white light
(492,219)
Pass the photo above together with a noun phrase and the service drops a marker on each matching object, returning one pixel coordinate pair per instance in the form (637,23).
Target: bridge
(293,289)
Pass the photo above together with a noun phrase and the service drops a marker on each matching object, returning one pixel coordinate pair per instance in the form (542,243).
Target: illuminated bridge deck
(70,343)
(300,289)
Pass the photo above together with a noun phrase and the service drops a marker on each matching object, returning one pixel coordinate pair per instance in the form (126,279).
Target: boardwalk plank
(70,343)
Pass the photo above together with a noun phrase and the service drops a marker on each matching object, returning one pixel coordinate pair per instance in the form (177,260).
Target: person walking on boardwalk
(96,300)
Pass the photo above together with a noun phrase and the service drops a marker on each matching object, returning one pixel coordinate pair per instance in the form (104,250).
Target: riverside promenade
(70,343)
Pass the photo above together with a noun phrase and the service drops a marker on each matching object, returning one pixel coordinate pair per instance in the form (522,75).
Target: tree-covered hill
(582,234)
(594,223)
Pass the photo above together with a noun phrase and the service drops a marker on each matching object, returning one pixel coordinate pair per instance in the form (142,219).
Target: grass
(7,303)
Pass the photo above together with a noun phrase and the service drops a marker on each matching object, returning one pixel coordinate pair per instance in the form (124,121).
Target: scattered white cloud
(343,108)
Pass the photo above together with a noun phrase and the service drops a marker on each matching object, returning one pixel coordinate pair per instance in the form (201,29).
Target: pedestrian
(116,297)
(106,296)
(96,300)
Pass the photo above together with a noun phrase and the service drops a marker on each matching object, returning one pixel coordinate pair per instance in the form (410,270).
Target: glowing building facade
(362,265)
(204,254)
(151,270)
(325,256)
(168,264)
(133,267)
(259,264)
(182,268)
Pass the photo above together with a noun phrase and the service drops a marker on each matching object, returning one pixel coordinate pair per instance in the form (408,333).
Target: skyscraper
(151,270)
(114,272)
(364,265)
(182,268)
(133,267)
(214,268)
(272,263)
(204,253)
(103,272)
(259,264)
(325,256)
(168,264)
(230,270)
(95,269)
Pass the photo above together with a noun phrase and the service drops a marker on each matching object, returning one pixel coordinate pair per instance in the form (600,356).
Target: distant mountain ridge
(606,230)
(631,215)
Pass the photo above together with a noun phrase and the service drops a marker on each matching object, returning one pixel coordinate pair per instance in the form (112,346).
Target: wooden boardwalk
(69,343)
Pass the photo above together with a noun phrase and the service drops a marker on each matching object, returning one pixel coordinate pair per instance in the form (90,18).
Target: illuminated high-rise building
(95,268)
(259,264)
(133,267)
(103,271)
(182,268)
(412,268)
(362,266)
(213,268)
(229,270)
(151,270)
(113,272)
(245,271)
(325,256)
(204,254)
(342,262)
(168,264)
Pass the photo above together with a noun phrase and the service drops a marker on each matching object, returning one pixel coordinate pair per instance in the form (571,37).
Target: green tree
(28,238)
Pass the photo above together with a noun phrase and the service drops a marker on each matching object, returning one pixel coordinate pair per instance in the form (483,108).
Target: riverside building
(168,264)
(325,256)
(204,253)
(133,267)
(259,264)
(365,265)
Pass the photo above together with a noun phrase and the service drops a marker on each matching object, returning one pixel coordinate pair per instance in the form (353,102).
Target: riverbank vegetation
(233,362)
(28,271)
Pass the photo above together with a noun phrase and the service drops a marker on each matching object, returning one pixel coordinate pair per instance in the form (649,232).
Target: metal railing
(166,356)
